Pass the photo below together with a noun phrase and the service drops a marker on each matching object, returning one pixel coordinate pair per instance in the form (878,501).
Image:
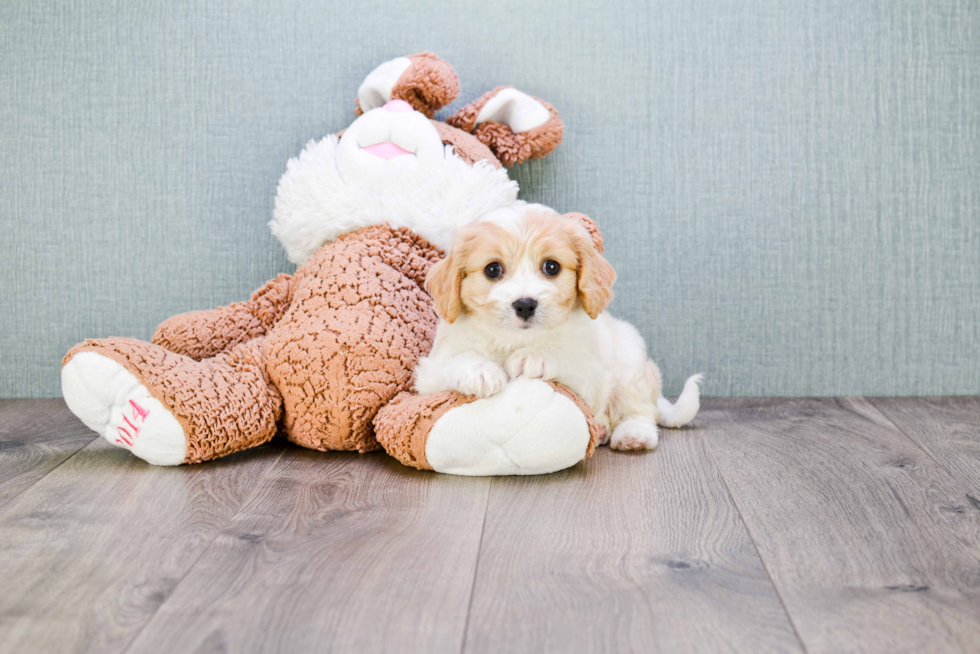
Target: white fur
(334,186)
(685,408)
(603,360)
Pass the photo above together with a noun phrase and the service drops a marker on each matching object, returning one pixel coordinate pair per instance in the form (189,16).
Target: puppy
(522,294)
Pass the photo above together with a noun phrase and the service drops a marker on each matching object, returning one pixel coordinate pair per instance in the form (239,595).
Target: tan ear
(596,276)
(423,80)
(443,283)
(514,125)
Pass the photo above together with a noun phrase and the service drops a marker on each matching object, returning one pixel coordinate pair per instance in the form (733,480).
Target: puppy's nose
(398,106)
(525,307)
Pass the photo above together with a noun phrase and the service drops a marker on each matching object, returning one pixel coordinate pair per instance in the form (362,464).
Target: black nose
(525,307)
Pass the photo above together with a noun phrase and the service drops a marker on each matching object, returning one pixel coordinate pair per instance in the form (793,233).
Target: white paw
(482,379)
(113,402)
(634,434)
(527,364)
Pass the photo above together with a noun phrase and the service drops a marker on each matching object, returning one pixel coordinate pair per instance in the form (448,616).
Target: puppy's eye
(493,270)
(551,268)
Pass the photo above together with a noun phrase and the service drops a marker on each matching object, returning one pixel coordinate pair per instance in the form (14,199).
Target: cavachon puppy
(522,293)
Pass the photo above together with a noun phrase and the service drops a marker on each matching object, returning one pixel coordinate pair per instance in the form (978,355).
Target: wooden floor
(819,525)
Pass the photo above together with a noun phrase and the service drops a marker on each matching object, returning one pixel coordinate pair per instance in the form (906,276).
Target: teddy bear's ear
(516,126)
(422,80)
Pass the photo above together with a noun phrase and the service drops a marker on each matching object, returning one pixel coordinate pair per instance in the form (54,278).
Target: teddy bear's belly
(347,345)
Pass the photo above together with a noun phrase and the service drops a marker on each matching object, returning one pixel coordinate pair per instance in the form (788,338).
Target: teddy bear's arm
(205,334)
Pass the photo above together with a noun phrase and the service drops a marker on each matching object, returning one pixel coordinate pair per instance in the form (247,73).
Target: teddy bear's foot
(529,428)
(113,402)
(167,408)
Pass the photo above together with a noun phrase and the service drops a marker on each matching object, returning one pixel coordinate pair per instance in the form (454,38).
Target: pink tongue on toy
(386,150)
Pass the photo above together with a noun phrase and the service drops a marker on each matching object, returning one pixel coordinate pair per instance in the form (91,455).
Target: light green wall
(790,191)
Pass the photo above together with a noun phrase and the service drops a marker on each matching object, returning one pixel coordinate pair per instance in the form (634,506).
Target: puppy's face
(525,272)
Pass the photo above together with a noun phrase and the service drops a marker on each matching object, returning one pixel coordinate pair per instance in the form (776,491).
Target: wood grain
(626,553)
(338,552)
(864,535)
(36,436)
(867,528)
(90,551)
(948,429)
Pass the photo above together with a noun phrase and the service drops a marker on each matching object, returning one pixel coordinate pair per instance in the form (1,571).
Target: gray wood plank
(636,552)
(90,551)
(948,429)
(36,436)
(335,552)
(860,530)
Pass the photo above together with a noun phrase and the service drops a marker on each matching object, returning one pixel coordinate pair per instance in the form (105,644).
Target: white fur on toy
(334,187)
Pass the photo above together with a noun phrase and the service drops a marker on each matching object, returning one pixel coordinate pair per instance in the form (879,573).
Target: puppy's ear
(595,275)
(444,282)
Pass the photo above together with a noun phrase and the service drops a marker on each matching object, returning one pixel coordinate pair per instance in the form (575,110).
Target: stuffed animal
(325,356)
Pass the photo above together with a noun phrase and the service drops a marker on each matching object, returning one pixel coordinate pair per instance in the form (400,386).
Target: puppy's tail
(685,408)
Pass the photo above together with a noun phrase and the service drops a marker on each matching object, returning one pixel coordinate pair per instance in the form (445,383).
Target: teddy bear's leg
(422,80)
(205,334)
(514,125)
(167,408)
(531,427)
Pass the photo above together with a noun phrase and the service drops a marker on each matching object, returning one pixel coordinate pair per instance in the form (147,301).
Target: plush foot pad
(529,428)
(634,434)
(113,402)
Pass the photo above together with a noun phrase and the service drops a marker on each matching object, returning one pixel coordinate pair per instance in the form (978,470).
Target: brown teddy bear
(325,356)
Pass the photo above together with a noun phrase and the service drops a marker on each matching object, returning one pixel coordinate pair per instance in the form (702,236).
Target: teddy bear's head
(395,164)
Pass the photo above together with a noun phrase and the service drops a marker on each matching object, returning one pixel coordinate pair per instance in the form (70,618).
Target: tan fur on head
(521,245)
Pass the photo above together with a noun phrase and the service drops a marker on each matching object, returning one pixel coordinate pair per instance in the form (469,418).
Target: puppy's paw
(482,379)
(634,434)
(528,364)
(605,428)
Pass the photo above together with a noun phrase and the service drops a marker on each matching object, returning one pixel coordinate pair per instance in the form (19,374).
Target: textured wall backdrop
(789,190)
